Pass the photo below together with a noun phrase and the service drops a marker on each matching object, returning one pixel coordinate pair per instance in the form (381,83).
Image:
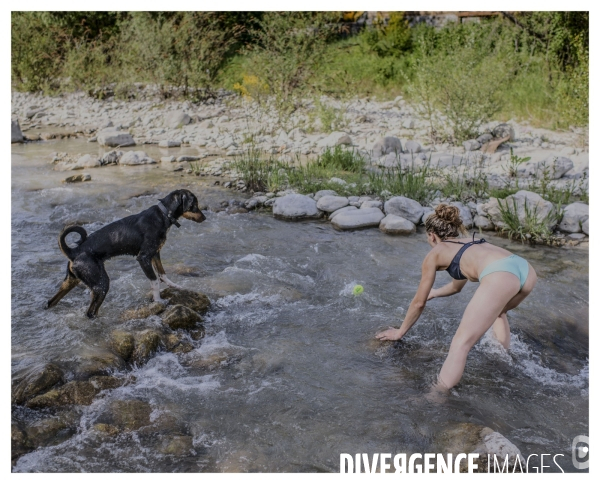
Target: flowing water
(304,379)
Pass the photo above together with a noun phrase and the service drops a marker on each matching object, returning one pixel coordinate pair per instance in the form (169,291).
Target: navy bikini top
(454,267)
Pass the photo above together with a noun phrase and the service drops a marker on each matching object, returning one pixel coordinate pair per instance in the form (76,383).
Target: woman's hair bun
(449,213)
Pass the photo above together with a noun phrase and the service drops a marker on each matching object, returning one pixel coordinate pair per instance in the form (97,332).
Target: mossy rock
(198,333)
(72,393)
(194,300)
(52,430)
(19,443)
(107,429)
(100,363)
(143,312)
(146,344)
(181,317)
(36,382)
(130,414)
(122,343)
(178,445)
(107,382)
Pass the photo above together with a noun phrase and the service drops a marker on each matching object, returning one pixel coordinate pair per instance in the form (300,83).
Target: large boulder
(324,193)
(357,219)
(465,214)
(574,216)
(525,204)
(177,119)
(112,137)
(553,167)
(385,146)
(136,158)
(585,227)
(295,207)
(483,223)
(394,225)
(405,208)
(344,209)
(16,136)
(331,204)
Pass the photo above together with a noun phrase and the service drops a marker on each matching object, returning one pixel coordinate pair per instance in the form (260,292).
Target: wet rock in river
(16,136)
(179,445)
(143,312)
(52,430)
(198,333)
(129,414)
(295,207)
(122,343)
(99,363)
(107,382)
(181,317)
(112,137)
(19,443)
(473,438)
(146,344)
(177,344)
(78,178)
(72,393)
(193,300)
(107,429)
(36,382)
(136,158)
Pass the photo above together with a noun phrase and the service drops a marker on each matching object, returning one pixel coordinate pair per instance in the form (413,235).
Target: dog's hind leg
(157,264)
(69,283)
(93,274)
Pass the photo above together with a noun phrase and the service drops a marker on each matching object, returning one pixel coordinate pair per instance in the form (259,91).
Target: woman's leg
(494,292)
(500,327)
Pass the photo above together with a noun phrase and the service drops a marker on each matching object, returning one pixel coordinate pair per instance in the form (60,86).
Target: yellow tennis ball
(358,289)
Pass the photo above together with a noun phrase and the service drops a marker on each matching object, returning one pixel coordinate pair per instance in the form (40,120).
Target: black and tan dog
(141,235)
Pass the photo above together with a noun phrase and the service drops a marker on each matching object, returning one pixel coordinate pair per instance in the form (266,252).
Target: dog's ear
(187,202)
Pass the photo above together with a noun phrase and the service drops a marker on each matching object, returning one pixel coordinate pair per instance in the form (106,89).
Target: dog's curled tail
(68,251)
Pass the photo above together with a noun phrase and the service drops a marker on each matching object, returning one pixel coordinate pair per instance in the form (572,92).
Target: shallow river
(307,381)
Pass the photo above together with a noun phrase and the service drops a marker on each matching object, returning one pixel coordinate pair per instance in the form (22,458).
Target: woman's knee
(463,341)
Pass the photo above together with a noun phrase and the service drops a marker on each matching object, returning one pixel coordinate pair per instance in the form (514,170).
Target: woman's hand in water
(391,334)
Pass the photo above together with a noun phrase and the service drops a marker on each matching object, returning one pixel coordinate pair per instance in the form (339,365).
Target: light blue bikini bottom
(514,264)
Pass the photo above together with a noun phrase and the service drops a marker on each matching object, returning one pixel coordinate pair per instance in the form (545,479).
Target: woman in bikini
(505,280)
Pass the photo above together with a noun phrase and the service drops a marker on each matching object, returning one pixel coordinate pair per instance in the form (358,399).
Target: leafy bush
(288,50)
(388,39)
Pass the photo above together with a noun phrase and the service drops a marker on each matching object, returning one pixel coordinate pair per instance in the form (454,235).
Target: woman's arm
(418,303)
(453,287)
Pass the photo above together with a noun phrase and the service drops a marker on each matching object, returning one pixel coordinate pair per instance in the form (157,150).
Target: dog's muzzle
(196,217)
